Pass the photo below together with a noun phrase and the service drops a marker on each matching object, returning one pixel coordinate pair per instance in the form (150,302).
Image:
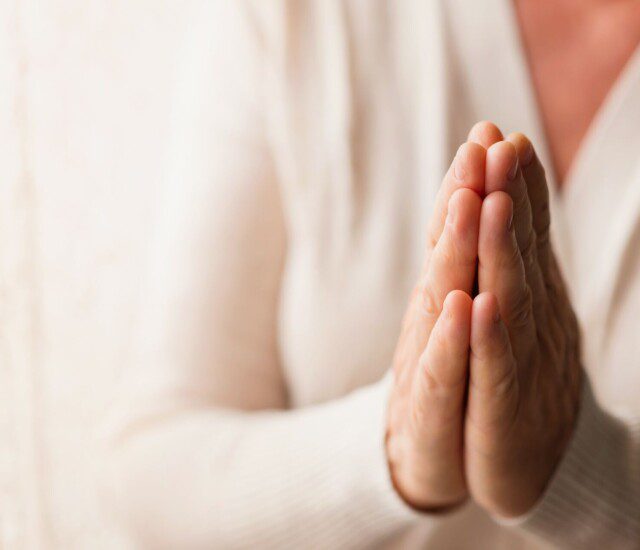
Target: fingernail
(511,174)
(458,168)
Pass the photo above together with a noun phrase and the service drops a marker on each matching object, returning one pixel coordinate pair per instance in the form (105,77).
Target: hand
(524,376)
(426,408)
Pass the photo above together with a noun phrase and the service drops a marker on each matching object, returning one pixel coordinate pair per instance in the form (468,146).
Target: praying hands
(487,368)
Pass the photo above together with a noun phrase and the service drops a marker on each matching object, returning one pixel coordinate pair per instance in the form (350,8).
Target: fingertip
(471,149)
(503,148)
(488,330)
(469,166)
(524,148)
(457,316)
(485,133)
(445,358)
(497,211)
(501,166)
(485,308)
(463,221)
(492,368)
(467,171)
(464,203)
(457,303)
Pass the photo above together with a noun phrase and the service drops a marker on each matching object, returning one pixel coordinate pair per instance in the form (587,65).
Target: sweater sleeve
(205,478)
(202,451)
(593,501)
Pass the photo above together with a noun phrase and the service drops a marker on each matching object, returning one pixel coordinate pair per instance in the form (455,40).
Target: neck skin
(575,45)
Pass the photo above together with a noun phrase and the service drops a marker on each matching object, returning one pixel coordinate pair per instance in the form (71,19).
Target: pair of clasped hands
(487,370)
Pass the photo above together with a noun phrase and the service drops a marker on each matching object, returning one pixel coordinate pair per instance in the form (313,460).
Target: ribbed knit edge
(318,478)
(386,506)
(592,499)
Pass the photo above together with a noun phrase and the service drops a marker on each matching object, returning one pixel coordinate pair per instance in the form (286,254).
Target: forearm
(205,478)
(593,501)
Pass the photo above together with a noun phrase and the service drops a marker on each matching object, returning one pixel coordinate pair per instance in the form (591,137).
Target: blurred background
(84,100)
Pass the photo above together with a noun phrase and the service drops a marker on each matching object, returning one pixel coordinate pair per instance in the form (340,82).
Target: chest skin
(576,51)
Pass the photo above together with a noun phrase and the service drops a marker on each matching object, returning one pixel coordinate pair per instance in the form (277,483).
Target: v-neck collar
(602,199)
(592,224)
(495,70)
(600,205)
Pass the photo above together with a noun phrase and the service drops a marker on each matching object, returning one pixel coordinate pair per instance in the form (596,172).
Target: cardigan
(309,140)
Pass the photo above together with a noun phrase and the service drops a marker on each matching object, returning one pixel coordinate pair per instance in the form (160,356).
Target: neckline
(593,218)
(597,213)
(576,201)
(601,122)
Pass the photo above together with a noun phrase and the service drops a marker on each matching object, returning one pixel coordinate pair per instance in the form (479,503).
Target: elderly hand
(512,352)
(524,369)
(426,409)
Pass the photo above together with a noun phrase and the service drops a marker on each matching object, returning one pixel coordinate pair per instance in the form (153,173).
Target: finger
(562,320)
(501,271)
(503,174)
(485,133)
(438,394)
(497,451)
(453,262)
(466,172)
(493,380)
(443,373)
(538,192)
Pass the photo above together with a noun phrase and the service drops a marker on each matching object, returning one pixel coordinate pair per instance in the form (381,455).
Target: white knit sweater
(310,139)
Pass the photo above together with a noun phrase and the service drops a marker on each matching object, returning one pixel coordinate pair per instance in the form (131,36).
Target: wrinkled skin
(487,369)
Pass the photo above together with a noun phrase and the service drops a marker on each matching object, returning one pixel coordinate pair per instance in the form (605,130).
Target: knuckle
(529,249)
(552,291)
(522,206)
(543,243)
(453,251)
(432,239)
(502,349)
(510,259)
(467,261)
(447,254)
(521,310)
(429,304)
(542,222)
(416,292)
(554,346)
(506,384)
(549,347)
(419,412)
(502,408)
(493,349)
(456,249)
(553,333)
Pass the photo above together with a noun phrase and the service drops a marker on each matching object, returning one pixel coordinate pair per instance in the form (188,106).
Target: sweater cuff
(386,505)
(581,505)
